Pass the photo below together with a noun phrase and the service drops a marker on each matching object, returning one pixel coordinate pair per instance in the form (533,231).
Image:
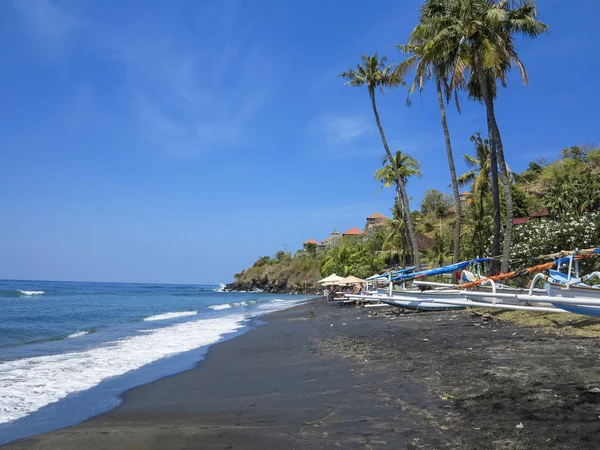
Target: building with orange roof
(309,242)
(353,232)
(375,220)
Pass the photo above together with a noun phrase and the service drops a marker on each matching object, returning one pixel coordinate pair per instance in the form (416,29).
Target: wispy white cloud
(47,23)
(347,135)
(187,91)
(345,128)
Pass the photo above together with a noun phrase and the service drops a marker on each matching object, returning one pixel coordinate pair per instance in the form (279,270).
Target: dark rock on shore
(275,287)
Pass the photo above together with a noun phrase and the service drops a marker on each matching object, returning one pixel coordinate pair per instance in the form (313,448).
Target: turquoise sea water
(68,349)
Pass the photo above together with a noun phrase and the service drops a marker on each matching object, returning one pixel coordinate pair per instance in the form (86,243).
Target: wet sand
(319,376)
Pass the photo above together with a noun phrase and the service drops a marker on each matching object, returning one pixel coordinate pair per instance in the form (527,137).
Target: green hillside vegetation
(568,188)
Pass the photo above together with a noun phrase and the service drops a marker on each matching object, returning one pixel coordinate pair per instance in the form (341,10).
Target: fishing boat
(562,292)
(418,297)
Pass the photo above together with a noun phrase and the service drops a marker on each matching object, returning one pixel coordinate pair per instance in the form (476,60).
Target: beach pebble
(594,390)
(425,339)
(331,325)
(520,426)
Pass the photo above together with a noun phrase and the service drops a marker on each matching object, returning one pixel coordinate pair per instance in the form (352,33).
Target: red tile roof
(310,241)
(520,221)
(465,194)
(377,216)
(541,213)
(352,232)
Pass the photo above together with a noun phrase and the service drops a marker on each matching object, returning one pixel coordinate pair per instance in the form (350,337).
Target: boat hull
(422,300)
(575,292)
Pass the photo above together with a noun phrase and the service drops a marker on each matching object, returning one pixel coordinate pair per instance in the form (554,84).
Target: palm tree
(439,252)
(438,69)
(479,175)
(373,72)
(407,167)
(396,242)
(479,178)
(478,36)
(337,261)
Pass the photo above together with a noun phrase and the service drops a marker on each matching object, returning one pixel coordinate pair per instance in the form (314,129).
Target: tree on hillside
(436,203)
(373,72)
(575,152)
(440,250)
(357,260)
(478,37)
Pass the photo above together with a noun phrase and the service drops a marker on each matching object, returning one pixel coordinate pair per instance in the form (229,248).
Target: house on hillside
(311,241)
(332,241)
(535,216)
(464,196)
(541,214)
(376,220)
(353,234)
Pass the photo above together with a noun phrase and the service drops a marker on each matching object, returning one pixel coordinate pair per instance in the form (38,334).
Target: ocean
(69,349)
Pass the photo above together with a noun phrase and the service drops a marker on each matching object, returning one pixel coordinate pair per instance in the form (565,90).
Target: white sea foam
(78,334)
(220,307)
(221,288)
(27,385)
(170,315)
(31,293)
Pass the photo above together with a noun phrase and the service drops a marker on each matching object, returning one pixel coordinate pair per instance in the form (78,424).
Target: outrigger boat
(561,293)
(418,299)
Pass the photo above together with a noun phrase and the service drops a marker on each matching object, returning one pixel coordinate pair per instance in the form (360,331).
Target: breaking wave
(20,293)
(170,315)
(29,384)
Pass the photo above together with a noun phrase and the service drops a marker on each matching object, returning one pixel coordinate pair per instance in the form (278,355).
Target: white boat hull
(575,293)
(429,300)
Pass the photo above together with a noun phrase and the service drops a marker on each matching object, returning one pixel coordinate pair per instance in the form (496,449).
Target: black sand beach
(319,376)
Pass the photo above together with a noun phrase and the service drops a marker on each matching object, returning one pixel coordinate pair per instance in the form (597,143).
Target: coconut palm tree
(479,175)
(373,72)
(396,242)
(478,36)
(440,250)
(426,68)
(479,178)
(407,167)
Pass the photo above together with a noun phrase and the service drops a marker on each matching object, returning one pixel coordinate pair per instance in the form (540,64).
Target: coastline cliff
(282,274)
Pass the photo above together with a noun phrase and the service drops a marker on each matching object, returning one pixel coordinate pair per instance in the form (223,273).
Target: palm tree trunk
(493,159)
(507,197)
(412,237)
(481,220)
(498,148)
(452,173)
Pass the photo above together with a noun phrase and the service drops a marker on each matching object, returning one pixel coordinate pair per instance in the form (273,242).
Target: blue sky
(158,141)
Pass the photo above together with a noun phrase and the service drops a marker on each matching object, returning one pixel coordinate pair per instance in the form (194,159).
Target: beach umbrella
(331,279)
(351,280)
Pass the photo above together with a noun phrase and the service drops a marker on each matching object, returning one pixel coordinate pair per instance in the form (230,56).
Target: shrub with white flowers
(548,236)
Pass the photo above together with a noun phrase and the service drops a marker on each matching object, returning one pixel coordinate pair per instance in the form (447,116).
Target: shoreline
(317,376)
(81,406)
